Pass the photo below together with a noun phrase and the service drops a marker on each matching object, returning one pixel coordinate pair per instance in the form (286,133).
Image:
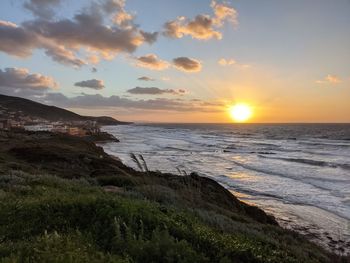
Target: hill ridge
(50,112)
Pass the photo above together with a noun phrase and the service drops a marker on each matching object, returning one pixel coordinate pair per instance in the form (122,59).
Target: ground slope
(62,199)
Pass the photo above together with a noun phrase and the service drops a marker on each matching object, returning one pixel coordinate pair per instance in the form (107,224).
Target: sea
(300,173)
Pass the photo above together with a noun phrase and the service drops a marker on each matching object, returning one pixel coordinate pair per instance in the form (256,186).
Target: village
(17,120)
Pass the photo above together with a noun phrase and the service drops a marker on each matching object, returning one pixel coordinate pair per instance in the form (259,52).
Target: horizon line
(243,123)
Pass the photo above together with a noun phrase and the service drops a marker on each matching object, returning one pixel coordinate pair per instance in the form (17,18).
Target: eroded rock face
(212,191)
(101,137)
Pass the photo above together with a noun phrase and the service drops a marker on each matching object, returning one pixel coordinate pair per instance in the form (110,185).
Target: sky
(180,61)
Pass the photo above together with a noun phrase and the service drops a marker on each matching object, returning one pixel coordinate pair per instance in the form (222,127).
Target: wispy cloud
(145,78)
(155,91)
(226,62)
(330,79)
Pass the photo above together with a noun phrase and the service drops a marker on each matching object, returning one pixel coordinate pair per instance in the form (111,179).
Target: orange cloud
(202,27)
(224,12)
(151,61)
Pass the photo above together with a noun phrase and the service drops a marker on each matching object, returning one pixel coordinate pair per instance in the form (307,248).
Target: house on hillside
(39,127)
(8,124)
(76,131)
(5,124)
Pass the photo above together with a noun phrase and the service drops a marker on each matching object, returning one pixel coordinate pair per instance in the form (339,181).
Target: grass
(78,221)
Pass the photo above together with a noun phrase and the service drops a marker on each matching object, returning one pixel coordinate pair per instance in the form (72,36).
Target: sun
(241,112)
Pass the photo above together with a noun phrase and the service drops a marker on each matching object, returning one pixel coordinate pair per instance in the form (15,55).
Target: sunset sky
(180,61)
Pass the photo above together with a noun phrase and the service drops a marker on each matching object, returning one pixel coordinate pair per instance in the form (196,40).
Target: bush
(54,247)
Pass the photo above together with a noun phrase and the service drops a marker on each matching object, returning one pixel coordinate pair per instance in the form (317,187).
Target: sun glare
(241,112)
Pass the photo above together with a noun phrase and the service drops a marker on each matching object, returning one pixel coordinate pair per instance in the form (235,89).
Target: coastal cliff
(63,199)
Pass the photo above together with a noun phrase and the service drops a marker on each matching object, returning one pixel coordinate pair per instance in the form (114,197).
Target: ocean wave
(264,153)
(266,144)
(228,183)
(310,162)
(342,145)
(175,148)
(262,170)
(306,180)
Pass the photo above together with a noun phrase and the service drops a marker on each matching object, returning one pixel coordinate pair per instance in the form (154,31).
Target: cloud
(151,61)
(187,64)
(199,28)
(149,37)
(144,78)
(155,91)
(223,12)
(330,79)
(16,40)
(20,78)
(202,27)
(62,55)
(119,15)
(92,84)
(86,101)
(226,62)
(91,35)
(19,82)
(42,8)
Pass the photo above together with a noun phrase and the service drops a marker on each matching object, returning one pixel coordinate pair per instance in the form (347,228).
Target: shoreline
(318,225)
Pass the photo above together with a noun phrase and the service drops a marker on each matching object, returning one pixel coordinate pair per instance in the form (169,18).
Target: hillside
(63,199)
(51,113)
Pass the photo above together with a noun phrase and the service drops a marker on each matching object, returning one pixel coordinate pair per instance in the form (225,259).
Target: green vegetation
(62,199)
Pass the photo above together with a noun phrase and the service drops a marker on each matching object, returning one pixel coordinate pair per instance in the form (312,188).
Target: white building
(39,127)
